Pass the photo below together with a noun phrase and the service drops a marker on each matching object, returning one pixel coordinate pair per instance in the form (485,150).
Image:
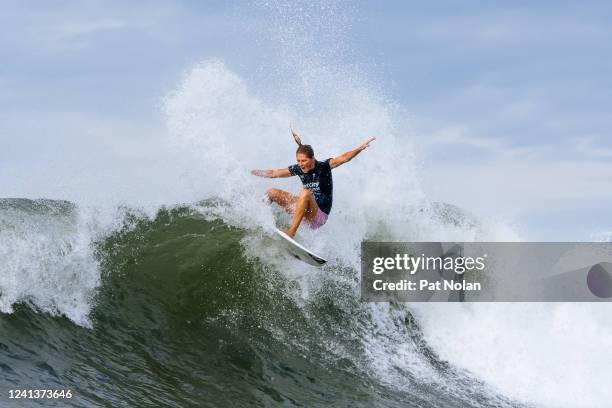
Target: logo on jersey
(314,186)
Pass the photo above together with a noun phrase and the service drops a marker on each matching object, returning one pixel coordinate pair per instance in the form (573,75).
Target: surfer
(315,200)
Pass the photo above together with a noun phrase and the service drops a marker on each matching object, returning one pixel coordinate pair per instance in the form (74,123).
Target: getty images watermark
(486,272)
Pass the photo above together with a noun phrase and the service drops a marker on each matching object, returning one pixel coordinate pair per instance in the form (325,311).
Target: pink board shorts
(319,219)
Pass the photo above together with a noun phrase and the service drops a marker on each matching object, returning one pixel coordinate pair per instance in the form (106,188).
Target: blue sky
(507,103)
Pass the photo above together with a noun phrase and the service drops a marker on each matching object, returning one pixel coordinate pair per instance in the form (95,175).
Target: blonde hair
(302,148)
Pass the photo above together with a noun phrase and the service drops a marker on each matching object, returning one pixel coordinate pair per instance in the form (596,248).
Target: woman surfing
(314,202)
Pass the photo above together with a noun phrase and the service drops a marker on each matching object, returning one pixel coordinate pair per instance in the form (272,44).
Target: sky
(507,103)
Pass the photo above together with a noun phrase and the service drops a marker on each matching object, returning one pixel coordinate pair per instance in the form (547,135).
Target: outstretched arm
(343,158)
(272,173)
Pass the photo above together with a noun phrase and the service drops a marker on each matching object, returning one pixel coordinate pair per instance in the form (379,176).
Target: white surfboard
(299,251)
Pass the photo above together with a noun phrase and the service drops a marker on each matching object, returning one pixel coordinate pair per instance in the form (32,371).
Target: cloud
(519,187)
(592,146)
(79,156)
(68,26)
(78,34)
(83,28)
(511,25)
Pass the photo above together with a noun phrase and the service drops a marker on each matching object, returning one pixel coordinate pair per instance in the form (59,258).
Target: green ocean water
(181,317)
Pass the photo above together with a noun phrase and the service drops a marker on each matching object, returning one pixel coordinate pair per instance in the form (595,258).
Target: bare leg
(282,198)
(306,206)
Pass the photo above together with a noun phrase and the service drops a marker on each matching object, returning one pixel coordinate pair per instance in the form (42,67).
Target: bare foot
(288,232)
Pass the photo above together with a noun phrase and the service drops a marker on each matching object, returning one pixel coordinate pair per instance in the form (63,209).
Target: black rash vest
(318,181)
